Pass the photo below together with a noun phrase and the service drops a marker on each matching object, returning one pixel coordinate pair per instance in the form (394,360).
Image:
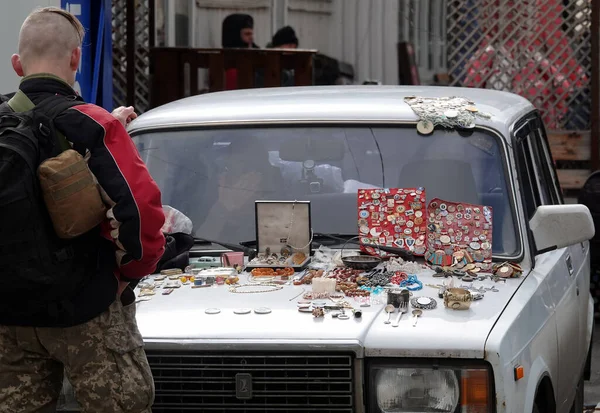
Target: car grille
(211,382)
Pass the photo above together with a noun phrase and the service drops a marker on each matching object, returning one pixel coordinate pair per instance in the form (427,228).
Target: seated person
(245,177)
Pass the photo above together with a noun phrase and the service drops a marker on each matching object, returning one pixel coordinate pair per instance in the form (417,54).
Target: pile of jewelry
(507,270)
(468,274)
(346,285)
(270,272)
(344,274)
(357,292)
(373,290)
(448,112)
(308,277)
(318,312)
(315,296)
(412,283)
(397,264)
(285,257)
(378,278)
(398,277)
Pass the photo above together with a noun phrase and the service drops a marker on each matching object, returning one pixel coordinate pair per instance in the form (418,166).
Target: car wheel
(579,395)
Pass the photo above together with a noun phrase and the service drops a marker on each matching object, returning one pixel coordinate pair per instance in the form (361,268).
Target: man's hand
(124,114)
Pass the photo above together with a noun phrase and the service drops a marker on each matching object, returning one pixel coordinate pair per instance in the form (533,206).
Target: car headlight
(425,387)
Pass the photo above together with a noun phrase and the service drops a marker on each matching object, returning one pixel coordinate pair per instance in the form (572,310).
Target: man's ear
(75,58)
(16,64)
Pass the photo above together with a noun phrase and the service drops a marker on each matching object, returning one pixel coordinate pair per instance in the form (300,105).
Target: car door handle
(569,264)
(577,290)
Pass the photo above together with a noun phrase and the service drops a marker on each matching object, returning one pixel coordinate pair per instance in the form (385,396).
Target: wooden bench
(174,70)
(571,146)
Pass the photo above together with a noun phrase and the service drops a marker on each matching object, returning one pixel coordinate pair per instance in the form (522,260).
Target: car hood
(180,318)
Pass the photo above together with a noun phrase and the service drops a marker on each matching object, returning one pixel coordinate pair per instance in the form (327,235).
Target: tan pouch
(71,194)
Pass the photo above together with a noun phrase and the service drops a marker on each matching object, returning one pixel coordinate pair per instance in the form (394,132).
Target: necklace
(412,283)
(289,244)
(254,288)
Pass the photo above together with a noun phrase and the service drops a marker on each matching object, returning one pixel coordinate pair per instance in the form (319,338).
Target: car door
(578,259)
(539,189)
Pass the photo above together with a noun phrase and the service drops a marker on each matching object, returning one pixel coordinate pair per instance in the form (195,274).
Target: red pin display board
(459,233)
(393,217)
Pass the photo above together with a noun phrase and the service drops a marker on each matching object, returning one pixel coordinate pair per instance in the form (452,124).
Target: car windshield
(215,175)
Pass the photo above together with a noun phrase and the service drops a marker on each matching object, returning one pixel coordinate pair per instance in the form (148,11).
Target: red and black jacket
(122,174)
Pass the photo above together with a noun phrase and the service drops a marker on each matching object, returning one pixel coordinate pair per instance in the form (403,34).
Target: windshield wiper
(338,238)
(401,252)
(233,247)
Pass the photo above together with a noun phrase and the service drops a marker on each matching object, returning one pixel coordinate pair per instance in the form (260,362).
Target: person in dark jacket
(237,33)
(93,337)
(285,38)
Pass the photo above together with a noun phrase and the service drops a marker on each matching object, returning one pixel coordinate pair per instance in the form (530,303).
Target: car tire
(578,402)
(536,409)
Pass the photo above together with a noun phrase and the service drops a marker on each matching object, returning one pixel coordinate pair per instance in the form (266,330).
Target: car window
(547,163)
(537,174)
(215,175)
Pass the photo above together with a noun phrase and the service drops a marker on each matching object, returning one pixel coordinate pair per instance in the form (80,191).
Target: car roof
(335,104)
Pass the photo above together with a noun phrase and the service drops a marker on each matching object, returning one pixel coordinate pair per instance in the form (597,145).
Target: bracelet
(412,279)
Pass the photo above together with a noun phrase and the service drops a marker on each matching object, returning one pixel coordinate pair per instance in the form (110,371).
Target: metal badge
(475,245)
(243,386)
(425,127)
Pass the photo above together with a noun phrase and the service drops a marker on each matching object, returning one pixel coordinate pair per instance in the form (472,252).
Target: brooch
(423,303)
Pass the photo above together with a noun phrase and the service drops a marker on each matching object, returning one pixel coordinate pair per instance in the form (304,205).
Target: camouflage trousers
(103,359)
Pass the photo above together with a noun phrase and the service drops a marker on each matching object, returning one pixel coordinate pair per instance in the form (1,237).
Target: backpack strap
(20,102)
(52,106)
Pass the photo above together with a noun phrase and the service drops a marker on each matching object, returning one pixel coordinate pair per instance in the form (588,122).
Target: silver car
(524,347)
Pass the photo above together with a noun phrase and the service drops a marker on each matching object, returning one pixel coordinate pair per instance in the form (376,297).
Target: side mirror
(558,226)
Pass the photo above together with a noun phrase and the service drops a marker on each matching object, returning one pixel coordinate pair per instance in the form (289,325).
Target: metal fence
(132,23)
(540,49)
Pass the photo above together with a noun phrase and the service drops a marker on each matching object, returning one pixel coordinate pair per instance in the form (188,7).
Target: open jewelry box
(283,234)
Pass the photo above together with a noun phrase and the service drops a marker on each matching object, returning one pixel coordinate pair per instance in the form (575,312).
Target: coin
(451,114)
(262,310)
(425,127)
(212,311)
(242,311)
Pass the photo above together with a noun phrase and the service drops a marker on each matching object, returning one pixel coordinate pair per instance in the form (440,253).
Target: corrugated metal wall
(423,23)
(363,33)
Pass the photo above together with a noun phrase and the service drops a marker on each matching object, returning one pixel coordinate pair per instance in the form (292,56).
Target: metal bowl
(361,262)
